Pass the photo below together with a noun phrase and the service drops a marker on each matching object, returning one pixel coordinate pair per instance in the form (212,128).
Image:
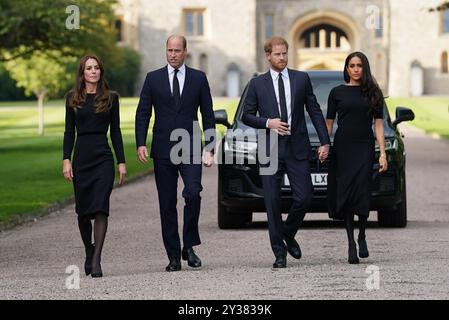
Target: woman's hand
(67,169)
(122,172)
(383,164)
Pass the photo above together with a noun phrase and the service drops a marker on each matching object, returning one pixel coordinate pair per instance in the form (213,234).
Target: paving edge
(29,217)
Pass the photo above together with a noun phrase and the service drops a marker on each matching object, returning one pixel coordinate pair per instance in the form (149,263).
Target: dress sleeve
(331,105)
(69,133)
(379,113)
(115,132)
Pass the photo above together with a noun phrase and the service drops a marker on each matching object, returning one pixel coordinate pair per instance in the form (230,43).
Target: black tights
(349,225)
(100,228)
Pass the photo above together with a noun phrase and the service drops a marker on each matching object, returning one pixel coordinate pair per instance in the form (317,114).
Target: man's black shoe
(280,262)
(192,259)
(293,247)
(174,265)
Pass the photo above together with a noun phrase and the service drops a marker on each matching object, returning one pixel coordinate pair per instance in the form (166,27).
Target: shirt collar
(275,74)
(182,69)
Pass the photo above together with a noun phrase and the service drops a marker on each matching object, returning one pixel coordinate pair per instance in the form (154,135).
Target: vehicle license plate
(318,179)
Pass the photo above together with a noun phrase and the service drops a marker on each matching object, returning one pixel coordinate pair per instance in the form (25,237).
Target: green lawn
(431,113)
(31,171)
(31,166)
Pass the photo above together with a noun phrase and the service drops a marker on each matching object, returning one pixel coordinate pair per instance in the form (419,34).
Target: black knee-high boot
(363,247)
(100,228)
(352,248)
(85,226)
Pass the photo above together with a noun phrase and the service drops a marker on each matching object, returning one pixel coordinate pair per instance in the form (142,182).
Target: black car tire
(232,220)
(228,219)
(396,217)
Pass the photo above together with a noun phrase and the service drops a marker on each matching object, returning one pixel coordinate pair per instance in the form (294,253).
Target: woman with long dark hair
(91,109)
(357,103)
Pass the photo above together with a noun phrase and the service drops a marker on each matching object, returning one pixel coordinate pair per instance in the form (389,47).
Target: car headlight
(238,146)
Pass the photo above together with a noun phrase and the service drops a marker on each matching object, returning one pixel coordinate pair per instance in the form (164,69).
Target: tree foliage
(441,7)
(27,26)
(42,74)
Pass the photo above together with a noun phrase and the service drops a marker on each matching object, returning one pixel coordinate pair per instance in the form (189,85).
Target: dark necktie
(282,101)
(176,91)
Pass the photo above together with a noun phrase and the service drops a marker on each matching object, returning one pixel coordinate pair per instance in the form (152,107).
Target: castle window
(194,22)
(268,24)
(380,27)
(446,21)
(119,28)
(324,36)
(444,62)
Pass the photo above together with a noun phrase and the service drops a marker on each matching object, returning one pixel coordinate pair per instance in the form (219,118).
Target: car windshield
(322,85)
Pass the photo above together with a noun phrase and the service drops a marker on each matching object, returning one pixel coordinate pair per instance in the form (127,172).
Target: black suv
(240,192)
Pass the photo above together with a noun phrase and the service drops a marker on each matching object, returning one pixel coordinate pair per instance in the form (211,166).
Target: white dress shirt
(181,77)
(288,99)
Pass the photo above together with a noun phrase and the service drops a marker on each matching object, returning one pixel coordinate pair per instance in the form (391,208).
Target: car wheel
(395,217)
(228,219)
(231,219)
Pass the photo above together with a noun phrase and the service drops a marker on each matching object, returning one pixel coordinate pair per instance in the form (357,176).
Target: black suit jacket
(261,98)
(156,93)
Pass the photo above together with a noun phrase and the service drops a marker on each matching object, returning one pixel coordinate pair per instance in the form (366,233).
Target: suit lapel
(271,92)
(292,77)
(166,80)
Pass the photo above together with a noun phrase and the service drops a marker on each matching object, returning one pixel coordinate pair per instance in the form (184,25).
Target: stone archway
(322,40)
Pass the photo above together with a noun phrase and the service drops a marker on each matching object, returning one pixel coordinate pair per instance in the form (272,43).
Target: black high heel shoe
(97,272)
(363,248)
(352,254)
(88,262)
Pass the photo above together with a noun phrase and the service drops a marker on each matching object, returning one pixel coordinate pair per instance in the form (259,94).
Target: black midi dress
(93,163)
(353,153)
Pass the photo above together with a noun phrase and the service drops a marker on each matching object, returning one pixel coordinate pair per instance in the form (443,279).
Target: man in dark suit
(279,97)
(176,91)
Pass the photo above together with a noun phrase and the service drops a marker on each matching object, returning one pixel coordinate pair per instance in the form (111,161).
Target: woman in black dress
(350,173)
(91,108)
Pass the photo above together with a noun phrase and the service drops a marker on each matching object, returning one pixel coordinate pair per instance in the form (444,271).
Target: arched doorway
(322,40)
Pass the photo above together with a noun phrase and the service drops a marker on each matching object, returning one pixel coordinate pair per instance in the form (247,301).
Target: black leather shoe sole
(172,269)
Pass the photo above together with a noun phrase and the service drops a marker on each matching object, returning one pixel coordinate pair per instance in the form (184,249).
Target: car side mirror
(403,114)
(221,117)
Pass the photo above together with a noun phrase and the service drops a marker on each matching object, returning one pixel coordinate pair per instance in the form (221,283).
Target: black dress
(93,163)
(353,154)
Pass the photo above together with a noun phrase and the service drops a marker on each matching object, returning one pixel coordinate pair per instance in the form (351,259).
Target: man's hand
(208,158)
(323,152)
(280,127)
(142,154)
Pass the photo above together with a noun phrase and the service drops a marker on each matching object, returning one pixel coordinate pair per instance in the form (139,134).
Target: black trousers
(166,174)
(298,172)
